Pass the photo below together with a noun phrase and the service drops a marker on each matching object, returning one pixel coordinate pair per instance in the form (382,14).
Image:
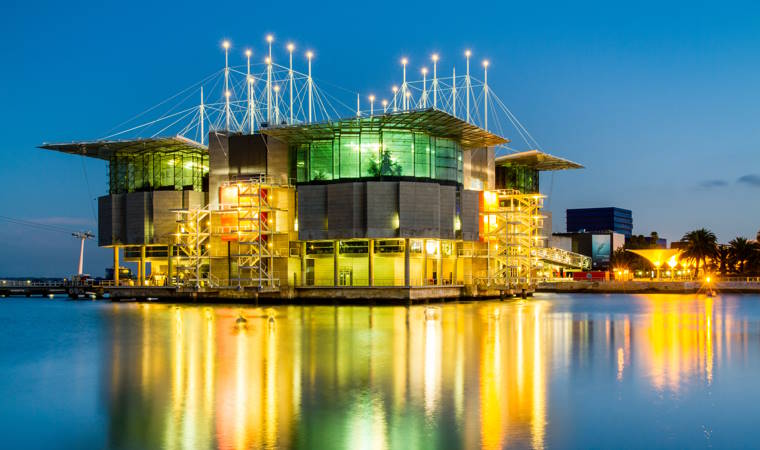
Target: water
(579,371)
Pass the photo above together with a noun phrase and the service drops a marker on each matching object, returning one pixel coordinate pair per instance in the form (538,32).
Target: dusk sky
(659,102)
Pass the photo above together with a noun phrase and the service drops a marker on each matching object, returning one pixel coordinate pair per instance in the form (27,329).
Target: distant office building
(600,219)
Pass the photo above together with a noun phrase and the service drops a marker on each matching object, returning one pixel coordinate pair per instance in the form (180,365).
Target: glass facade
(521,178)
(156,170)
(374,154)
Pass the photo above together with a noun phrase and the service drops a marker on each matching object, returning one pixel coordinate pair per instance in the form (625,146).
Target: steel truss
(511,225)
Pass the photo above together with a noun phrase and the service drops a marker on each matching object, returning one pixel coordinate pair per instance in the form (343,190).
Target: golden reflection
(392,377)
(678,340)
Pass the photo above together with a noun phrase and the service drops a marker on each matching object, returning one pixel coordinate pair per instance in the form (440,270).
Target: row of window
(377,154)
(154,170)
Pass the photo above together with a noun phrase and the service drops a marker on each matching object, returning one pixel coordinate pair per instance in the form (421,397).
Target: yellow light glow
(248,53)
(424,71)
(431,246)
(267,60)
(227,94)
(385,103)
(226,44)
(291,47)
(435,57)
(485,63)
(371,98)
(404,61)
(394,89)
(707,279)
(467,53)
(277,88)
(309,54)
(270,38)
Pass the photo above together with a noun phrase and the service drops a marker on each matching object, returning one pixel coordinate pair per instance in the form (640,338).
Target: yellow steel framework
(191,258)
(511,229)
(248,217)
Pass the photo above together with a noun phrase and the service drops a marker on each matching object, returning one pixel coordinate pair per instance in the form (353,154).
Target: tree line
(741,256)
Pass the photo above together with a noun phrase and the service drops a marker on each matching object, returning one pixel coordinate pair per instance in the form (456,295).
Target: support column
(406,263)
(116,265)
(371,262)
(141,270)
(439,278)
(170,265)
(424,262)
(335,262)
(303,263)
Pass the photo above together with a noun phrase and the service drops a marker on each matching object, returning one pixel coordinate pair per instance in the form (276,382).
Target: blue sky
(659,101)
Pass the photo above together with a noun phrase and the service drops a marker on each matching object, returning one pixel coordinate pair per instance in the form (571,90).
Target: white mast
(385,106)
(226,45)
(467,85)
(270,39)
(435,81)
(404,61)
(201,113)
(277,103)
(371,105)
(395,91)
(291,47)
(309,55)
(248,80)
(485,93)
(358,108)
(454,92)
(424,87)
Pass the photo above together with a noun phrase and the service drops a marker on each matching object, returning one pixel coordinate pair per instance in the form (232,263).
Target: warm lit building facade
(405,200)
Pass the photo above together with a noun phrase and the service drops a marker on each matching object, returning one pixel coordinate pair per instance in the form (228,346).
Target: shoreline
(646,287)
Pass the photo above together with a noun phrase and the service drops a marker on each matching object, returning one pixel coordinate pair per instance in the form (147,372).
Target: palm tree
(700,245)
(723,258)
(743,251)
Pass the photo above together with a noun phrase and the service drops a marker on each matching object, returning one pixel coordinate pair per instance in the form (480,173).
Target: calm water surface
(558,371)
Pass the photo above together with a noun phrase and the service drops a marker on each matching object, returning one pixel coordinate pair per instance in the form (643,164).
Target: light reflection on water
(553,371)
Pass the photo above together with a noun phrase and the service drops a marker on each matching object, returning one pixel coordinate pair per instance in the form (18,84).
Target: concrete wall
(469,214)
(277,159)
(312,212)
(346,214)
(219,165)
(448,198)
(140,218)
(478,168)
(382,208)
(419,209)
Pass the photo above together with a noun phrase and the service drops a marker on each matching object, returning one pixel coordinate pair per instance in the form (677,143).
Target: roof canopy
(659,256)
(537,160)
(431,121)
(106,149)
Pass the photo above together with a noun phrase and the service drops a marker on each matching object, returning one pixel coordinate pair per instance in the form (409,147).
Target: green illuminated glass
(422,152)
(446,164)
(156,170)
(400,144)
(321,160)
(370,151)
(348,158)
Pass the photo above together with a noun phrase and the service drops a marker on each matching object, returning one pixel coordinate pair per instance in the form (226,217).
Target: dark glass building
(600,219)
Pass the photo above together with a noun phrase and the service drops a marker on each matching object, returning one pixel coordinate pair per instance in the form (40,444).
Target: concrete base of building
(315,295)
